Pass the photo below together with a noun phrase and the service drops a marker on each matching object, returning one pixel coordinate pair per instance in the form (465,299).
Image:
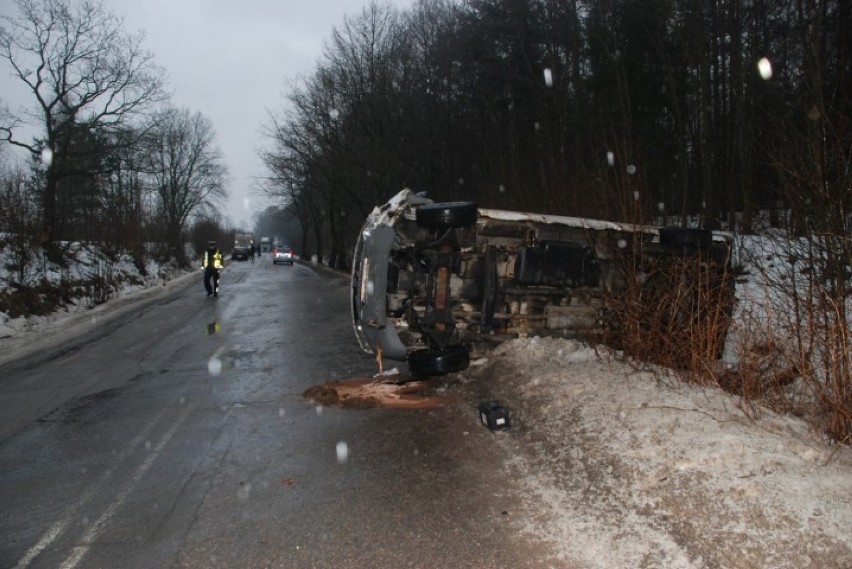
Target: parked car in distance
(282,254)
(431,280)
(240,253)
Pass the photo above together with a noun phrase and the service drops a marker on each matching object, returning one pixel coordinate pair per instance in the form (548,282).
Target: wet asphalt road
(177,436)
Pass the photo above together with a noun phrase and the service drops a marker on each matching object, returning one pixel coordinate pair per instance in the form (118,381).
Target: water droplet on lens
(764,67)
(342,452)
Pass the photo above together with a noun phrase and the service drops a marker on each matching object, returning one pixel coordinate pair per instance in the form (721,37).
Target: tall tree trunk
(704,127)
(49,220)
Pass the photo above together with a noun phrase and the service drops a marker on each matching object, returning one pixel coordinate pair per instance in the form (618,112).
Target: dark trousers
(211,280)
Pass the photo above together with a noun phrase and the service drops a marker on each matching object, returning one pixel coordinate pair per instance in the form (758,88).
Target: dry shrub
(792,331)
(806,270)
(676,312)
(782,340)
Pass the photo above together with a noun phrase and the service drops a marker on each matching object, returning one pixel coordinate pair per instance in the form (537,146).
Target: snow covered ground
(635,470)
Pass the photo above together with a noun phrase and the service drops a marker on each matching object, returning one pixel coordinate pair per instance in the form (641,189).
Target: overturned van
(432,280)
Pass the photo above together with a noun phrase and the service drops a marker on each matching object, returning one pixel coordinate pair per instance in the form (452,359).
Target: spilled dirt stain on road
(365,393)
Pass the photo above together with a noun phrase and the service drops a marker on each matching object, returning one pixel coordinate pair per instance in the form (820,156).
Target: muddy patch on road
(366,393)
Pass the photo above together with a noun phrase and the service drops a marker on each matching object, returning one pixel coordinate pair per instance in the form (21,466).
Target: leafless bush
(782,341)
(793,344)
(101,282)
(675,312)
(805,271)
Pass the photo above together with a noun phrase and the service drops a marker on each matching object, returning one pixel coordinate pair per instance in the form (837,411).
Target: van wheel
(426,362)
(447,215)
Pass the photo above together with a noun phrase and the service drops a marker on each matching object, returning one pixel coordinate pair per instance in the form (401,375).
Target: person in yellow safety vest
(211,264)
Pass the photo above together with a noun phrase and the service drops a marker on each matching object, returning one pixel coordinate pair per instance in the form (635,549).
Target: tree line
(113,161)
(621,109)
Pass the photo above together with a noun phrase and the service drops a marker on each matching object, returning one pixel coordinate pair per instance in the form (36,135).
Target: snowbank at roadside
(638,471)
(121,285)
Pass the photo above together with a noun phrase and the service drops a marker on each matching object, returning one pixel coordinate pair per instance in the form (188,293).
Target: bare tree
(83,71)
(186,169)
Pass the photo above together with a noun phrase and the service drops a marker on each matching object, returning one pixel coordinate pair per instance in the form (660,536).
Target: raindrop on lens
(622,243)
(342,452)
(631,169)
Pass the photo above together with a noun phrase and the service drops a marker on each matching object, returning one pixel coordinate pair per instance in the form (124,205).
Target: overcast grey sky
(231,60)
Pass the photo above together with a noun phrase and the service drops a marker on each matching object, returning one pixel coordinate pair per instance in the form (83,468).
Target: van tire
(447,215)
(426,362)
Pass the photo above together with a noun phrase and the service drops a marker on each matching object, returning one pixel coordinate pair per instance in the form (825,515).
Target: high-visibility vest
(217,259)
